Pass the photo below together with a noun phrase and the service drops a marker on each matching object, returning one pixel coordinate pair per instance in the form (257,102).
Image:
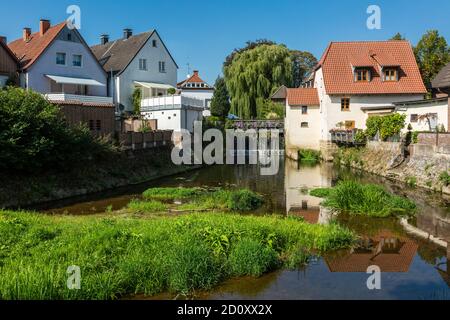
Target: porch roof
(78,81)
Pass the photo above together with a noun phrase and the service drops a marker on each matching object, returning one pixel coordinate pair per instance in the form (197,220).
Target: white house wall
(46,65)
(132,73)
(440,108)
(175,119)
(204,95)
(298,137)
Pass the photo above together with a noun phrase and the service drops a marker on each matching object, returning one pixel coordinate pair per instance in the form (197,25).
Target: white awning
(151,85)
(81,81)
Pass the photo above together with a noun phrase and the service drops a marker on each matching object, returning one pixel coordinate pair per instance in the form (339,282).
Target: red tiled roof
(338,73)
(28,52)
(303,96)
(195,78)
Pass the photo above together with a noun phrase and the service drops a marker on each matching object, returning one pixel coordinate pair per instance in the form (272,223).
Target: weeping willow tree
(254,75)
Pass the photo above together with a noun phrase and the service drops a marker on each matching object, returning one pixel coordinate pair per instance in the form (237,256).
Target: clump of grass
(233,200)
(308,155)
(166,194)
(120,257)
(147,206)
(411,181)
(321,192)
(365,199)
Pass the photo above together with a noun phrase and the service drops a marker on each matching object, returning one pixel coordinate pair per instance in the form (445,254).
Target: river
(412,265)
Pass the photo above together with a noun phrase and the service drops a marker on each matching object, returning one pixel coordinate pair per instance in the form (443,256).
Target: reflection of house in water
(298,183)
(389,252)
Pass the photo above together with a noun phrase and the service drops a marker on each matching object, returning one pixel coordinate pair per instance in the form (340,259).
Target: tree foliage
(302,64)
(249,46)
(220,104)
(398,36)
(33,135)
(254,75)
(432,54)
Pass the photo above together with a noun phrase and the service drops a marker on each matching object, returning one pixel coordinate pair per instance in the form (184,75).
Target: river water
(413,257)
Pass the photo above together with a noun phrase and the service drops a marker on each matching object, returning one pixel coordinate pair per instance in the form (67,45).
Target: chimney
(127,33)
(44,25)
(196,73)
(26,34)
(3,40)
(104,39)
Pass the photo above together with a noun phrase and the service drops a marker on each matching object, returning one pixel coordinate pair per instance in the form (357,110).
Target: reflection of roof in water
(389,252)
(310,215)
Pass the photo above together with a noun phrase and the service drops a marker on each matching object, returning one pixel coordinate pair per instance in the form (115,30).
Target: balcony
(171,102)
(64,97)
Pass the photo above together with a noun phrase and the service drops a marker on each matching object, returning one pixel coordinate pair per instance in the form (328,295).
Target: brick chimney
(196,73)
(3,40)
(26,34)
(127,33)
(104,39)
(44,25)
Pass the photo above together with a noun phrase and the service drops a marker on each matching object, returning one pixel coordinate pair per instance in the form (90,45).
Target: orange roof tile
(29,51)
(303,96)
(338,59)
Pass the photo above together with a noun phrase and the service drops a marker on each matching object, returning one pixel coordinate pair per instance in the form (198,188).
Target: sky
(202,33)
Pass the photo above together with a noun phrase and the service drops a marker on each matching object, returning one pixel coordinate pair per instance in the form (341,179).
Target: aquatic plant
(147,206)
(119,257)
(308,155)
(365,199)
(165,194)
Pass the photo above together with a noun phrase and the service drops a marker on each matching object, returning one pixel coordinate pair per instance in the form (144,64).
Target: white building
(195,87)
(57,62)
(352,81)
(136,61)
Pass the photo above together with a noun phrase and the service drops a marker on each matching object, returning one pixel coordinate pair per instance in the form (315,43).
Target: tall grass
(164,194)
(365,199)
(120,257)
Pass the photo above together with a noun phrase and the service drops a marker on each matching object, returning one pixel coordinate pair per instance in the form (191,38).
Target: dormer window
(362,75)
(390,74)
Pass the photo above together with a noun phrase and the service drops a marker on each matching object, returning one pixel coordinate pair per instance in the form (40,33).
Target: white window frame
(65,59)
(143,66)
(162,67)
(81,60)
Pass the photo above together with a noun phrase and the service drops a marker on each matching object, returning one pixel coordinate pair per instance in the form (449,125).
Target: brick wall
(147,140)
(100,120)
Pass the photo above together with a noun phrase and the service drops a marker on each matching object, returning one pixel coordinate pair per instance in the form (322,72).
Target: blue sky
(203,33)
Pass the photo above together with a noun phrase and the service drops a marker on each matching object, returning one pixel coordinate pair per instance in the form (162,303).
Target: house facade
(8,64)
(196,87)
(57,62)
(133,62)
(352,81)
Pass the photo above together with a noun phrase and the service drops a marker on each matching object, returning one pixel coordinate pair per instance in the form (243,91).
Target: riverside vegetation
(364,199)
(125,254)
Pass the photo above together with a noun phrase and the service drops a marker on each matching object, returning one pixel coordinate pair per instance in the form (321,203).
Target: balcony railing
(78,98)
(173,102)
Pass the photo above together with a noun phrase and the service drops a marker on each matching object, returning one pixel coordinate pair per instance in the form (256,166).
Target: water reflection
(413,266)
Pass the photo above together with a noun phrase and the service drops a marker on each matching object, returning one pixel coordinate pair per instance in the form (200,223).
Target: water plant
(119,257)
(165,194)
(147,206)
(365,199)
(308,155)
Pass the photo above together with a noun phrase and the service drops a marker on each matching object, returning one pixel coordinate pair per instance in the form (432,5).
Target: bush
(243,200)
(388,126)
(136,99)
(34,136)
(321,192)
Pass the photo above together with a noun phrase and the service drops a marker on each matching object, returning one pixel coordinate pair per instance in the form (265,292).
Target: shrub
(388,126)
(136,99)
(360,137)
(411,181)
(34,136)
(243,200)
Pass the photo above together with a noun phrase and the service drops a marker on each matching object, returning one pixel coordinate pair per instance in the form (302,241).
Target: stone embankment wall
(422,168)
